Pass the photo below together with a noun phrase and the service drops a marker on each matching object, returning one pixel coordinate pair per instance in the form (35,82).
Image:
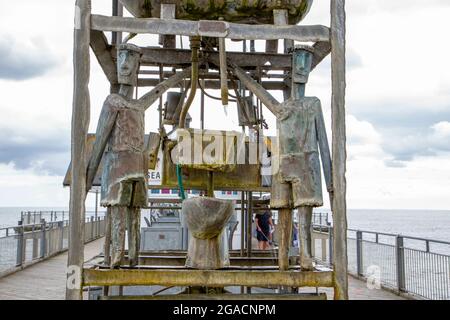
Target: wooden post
(285,217)
(80,125)
(168,11)
(117,11)
(339,158)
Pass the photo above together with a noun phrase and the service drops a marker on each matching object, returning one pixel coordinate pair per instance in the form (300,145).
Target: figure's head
(302,63)
(128,57)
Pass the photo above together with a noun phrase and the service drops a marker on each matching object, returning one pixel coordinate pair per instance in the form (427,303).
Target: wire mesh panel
(66,235)
(352,263)
(427,274)
(382,256)
(8,253)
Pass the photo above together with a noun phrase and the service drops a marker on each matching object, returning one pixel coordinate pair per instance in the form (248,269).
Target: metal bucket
(206,219)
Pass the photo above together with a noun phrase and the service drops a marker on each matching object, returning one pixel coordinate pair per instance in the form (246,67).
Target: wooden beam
(210,278)
(233,253)
(168,11)
(252,297)
(180,260)
(180,57)
(205,28)
(321,51)
(105,55)
(215,84)
(80,126)
(339,158)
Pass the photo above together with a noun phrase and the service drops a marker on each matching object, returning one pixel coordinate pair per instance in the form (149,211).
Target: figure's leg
(305,219)
(118,216)
(107,245)
(133,226)
(285,231)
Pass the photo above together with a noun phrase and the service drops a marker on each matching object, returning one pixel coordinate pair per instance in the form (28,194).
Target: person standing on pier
(264,225)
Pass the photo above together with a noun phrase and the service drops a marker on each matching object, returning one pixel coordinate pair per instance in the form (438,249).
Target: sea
(429,224)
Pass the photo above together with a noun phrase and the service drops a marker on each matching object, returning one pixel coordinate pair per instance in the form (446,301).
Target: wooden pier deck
(46,281)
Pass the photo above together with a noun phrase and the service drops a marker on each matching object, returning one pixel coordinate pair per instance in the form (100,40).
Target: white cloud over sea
(398,101)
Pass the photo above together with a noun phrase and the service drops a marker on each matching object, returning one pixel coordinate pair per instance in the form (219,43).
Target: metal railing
(32,217)
(416,266)
(25,244)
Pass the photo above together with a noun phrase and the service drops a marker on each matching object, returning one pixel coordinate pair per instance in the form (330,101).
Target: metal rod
(195,46)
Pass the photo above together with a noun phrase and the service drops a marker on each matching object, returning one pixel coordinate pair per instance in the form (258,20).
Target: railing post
(400,250)
(330,244)
(92,228)
(43,239)
(20,245)
(359,260)
(61,232)
(35,243)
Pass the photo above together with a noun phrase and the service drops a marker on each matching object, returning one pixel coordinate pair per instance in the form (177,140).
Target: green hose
(180,183)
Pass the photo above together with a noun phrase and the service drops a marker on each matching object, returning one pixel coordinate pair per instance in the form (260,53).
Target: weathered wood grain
(80,126)
(104,55)
(215,84)
(339,156)
(210,278)
(192,28)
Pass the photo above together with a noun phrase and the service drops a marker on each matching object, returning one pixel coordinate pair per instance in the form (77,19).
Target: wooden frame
(88,33)
(209,278)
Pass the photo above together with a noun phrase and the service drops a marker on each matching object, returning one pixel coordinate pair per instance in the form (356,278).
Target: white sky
(398,101)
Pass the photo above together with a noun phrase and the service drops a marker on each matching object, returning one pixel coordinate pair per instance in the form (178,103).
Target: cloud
(25,59)
(431,142)
(30,141)
(46,154)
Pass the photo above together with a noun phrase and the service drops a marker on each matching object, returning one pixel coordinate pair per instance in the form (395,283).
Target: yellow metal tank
(242,11)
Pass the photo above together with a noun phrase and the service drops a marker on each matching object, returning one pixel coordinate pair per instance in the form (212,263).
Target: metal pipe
(223,73)
(195,46)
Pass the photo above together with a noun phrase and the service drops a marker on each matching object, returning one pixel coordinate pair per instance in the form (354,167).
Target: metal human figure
(121,137)
(301,135)
(297,180)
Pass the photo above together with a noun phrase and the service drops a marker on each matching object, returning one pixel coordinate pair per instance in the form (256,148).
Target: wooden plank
(182,57)
(339,158)
(233,253)
(214,85)
(194,28)
(80,126)
(168,12)
(258,90)
(105,55)
(161,87)
(248,297)
(180,261)
(321,51)
(210,278)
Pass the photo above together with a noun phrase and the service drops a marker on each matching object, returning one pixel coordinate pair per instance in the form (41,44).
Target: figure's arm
(266,98)
(324,147)
(104,128)
(148,99)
